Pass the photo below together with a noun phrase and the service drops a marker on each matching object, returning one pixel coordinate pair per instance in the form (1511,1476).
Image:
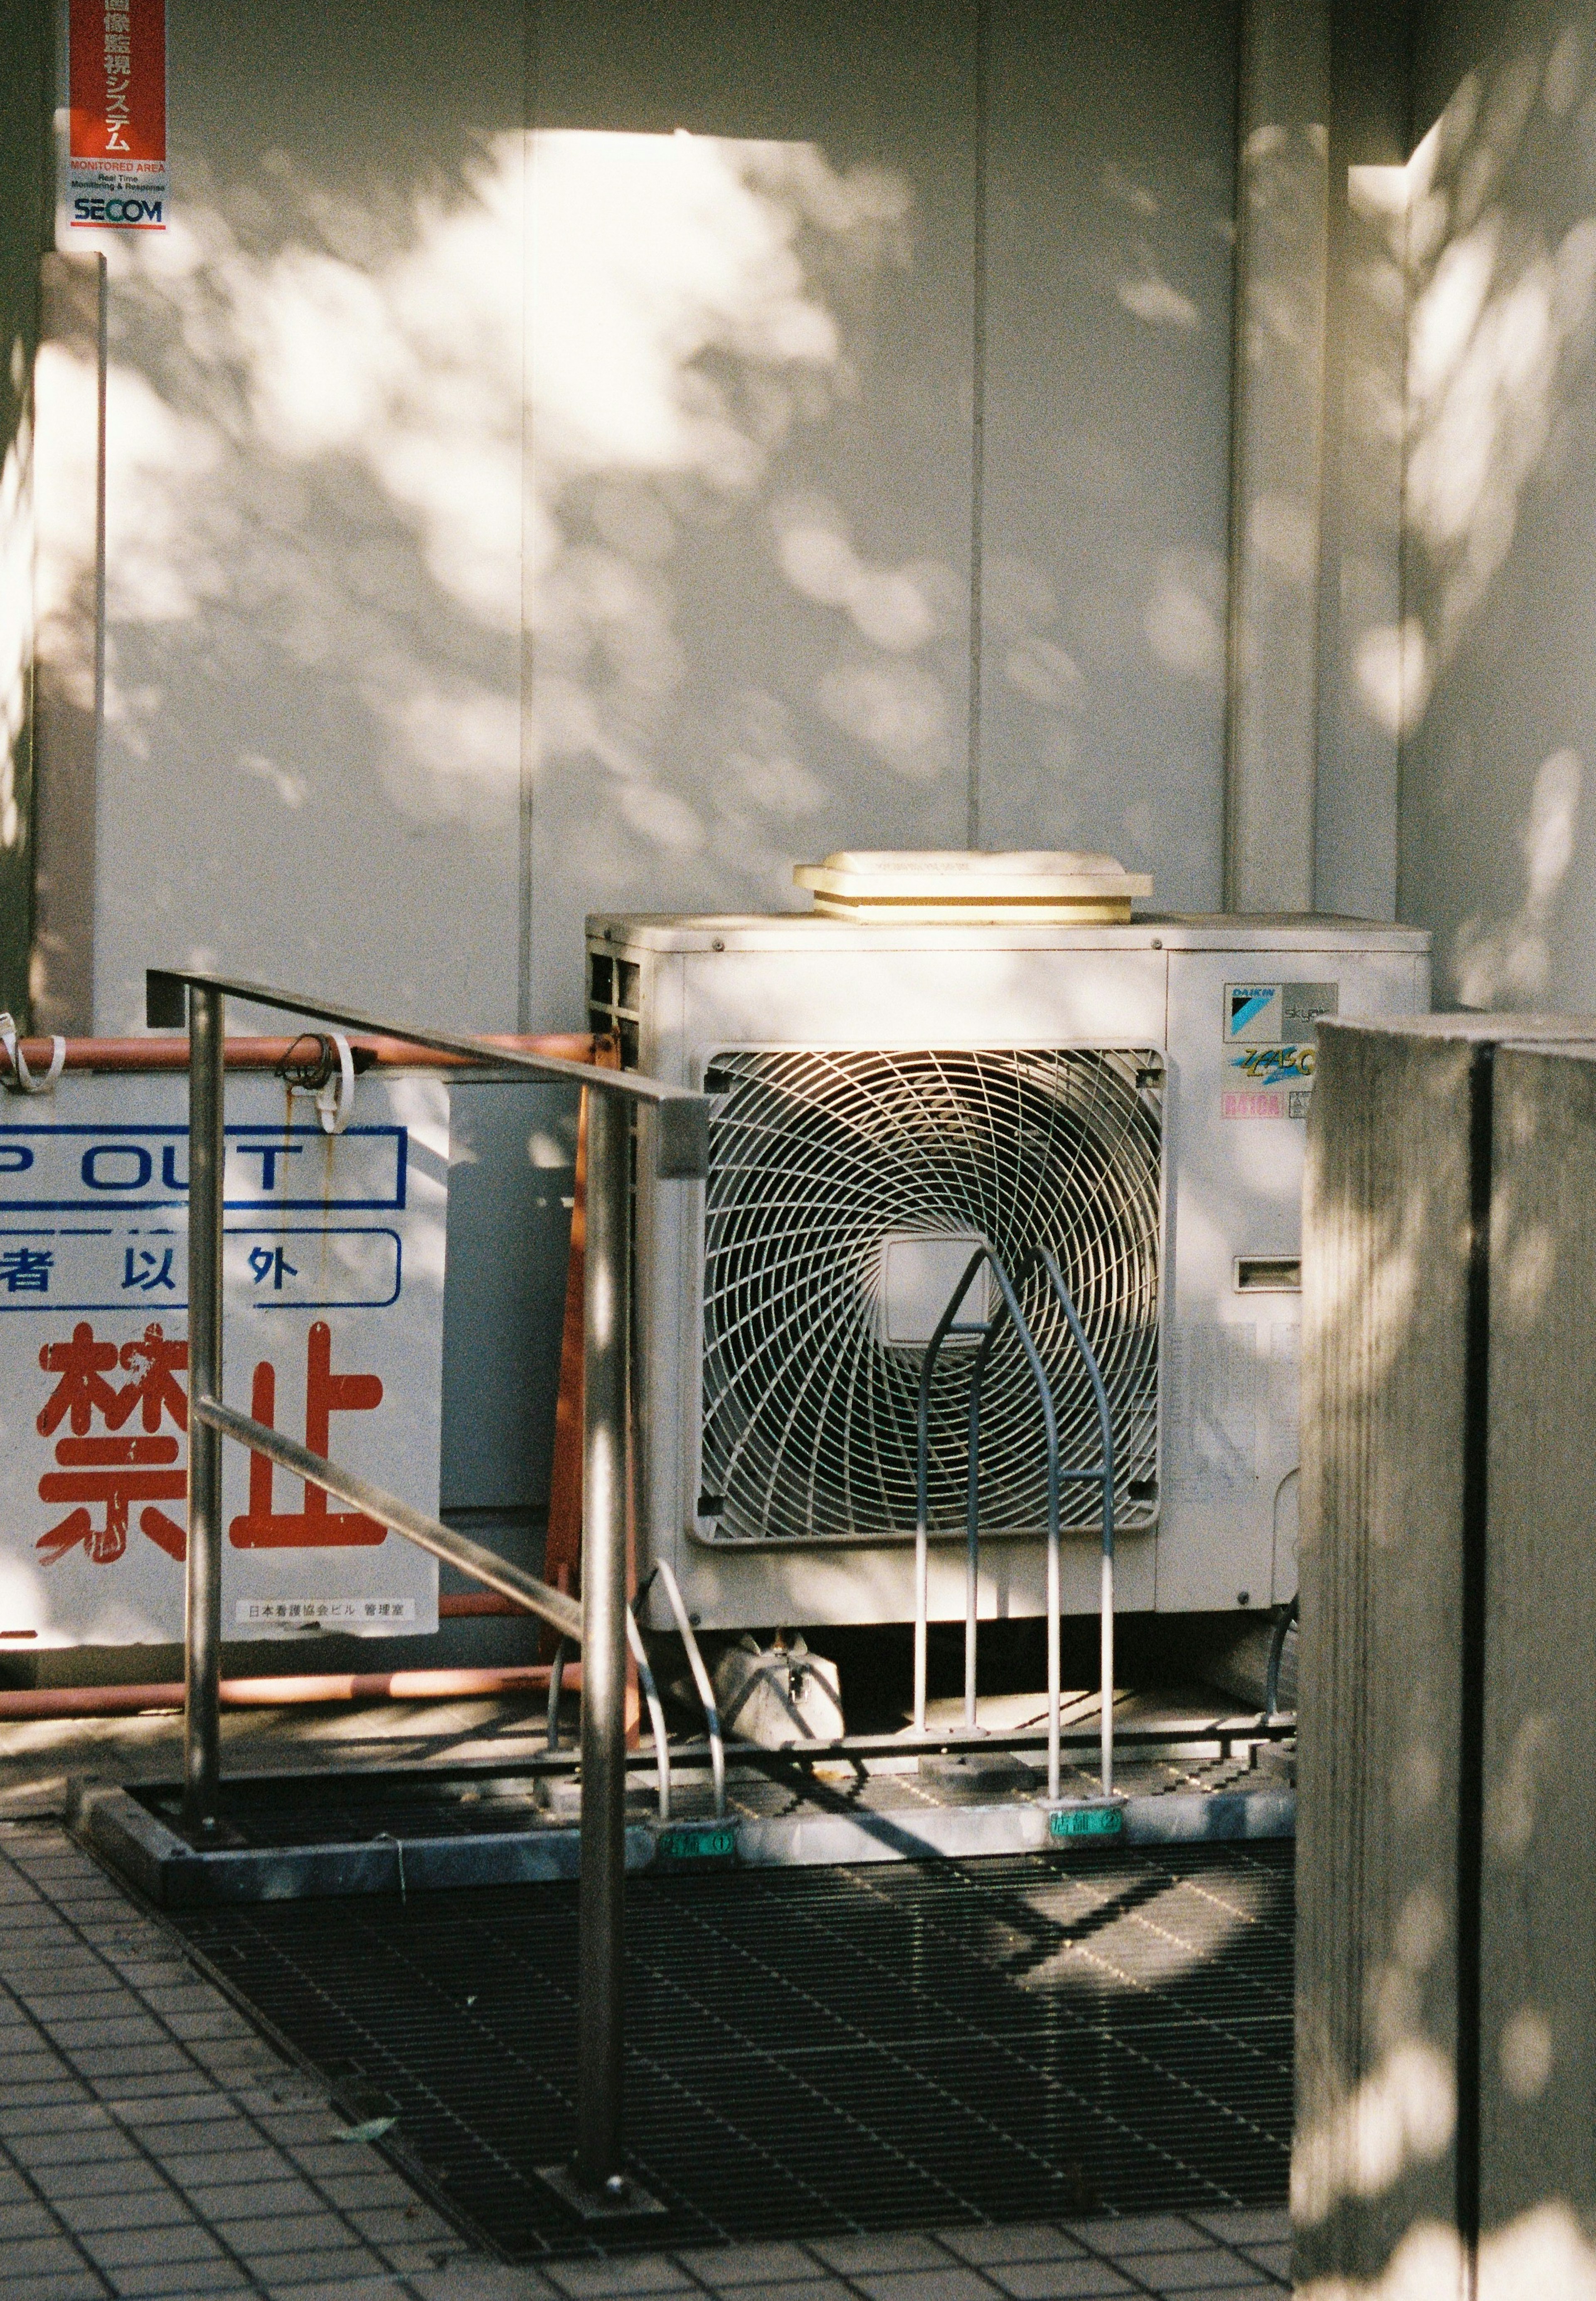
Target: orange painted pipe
(248,1054)
(453,1607)
(283,1693)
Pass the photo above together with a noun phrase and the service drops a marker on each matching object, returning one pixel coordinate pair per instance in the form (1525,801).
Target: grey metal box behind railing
(1446,1990)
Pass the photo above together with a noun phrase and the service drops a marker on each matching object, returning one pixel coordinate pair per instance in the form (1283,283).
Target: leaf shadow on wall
(1486,680)
(327,536)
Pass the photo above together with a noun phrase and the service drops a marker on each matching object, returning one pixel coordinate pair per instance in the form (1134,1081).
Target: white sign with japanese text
(332,1332)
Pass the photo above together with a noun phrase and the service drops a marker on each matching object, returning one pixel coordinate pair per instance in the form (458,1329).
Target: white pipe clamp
(21,1080)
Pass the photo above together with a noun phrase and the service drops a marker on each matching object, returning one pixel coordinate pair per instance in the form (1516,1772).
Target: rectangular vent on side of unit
(847,1192)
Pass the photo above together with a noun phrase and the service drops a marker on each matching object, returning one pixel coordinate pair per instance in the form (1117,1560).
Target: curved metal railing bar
(947,1324)
(694,1662)
(1106,1438)
(1100,1475)
(656,1716)
(972,1511)
(1284,1617)
(1009,1309)
(557,1688)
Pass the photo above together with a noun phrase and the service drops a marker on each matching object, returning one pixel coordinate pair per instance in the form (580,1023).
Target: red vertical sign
(117,155)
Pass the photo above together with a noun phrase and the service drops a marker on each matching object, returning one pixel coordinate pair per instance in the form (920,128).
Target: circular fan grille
(817,1160)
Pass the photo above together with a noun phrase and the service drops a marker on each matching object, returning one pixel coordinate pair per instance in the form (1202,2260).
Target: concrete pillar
(1277,456)
(1385,1286)
(1535,2058)
(1446,1968)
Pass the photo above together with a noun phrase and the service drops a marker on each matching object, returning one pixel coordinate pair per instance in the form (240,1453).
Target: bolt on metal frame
(1008,1312)
(678,1122)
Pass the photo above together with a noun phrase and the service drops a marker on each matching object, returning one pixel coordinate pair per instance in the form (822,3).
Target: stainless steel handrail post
(202,1620)
(602,1893)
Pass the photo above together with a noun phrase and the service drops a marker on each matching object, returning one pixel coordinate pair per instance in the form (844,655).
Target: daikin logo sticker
(1251,1009)
(1272,1014)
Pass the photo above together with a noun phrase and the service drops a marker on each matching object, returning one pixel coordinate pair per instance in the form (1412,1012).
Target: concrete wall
(948,405)
(1499,745)
(791,373)
(501,528)
(1444,1972)
(751,362)
(311,764)
(590,454)
(1384,1496)
(1108,259)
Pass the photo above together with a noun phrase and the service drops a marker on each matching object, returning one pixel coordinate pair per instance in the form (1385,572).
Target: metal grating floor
(816,2051)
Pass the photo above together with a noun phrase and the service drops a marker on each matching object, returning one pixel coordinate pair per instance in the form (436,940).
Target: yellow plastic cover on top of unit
(1046,888)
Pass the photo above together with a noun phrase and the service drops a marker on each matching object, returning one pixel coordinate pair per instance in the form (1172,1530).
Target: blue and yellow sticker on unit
(1271,1028)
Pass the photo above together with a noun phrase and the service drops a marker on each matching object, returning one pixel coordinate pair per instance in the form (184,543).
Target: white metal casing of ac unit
(681,991)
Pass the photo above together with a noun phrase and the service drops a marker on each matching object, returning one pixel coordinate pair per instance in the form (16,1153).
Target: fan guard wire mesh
(817,1158)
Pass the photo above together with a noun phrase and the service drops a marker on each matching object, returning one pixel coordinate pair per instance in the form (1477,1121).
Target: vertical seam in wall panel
(1327,565)
(978,415)
(92,832)
(530,58)
(1317,564)
(1402,642)
(102,349)
(1471,1713)
(1238,369)
(56,239)
(1329,686)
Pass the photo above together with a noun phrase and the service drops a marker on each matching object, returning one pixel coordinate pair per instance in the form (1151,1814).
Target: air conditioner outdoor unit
(890,1092)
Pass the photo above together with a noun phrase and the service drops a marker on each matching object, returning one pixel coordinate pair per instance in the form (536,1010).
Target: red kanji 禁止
(326,1393)
(115,1472)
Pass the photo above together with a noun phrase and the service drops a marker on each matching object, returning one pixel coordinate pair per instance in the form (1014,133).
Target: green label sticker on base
(1087,1821)
(717,1842)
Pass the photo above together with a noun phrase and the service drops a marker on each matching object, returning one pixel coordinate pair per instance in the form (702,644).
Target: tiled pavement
(151,2143)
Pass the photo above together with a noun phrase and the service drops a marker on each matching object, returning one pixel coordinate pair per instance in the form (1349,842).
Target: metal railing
(674,1124)
(1008,1312)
